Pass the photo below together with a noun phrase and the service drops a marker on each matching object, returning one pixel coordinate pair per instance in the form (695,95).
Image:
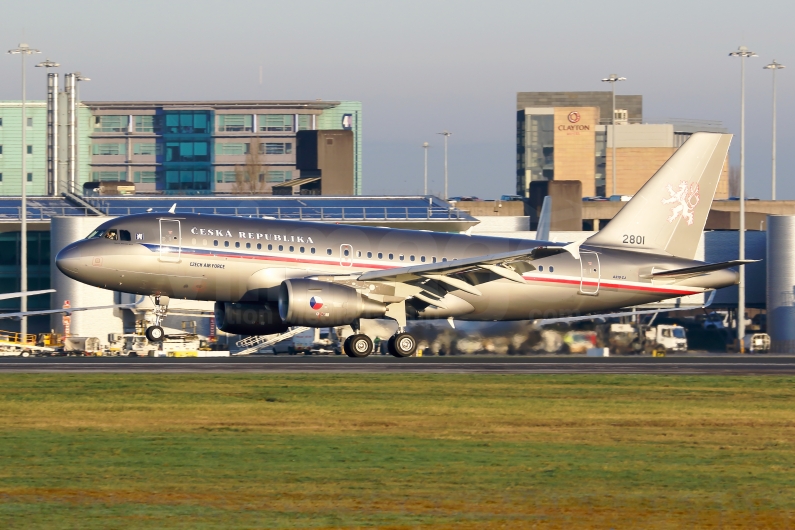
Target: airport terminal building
(566,136)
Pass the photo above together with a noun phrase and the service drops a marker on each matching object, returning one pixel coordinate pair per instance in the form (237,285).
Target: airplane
(266,275)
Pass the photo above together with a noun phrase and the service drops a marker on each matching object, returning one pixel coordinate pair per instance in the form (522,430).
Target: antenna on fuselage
(173,208)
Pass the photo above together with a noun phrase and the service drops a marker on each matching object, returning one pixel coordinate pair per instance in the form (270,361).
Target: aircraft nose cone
(69,260)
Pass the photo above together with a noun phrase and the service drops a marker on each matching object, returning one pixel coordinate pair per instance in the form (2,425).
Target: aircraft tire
(359,346)
(154,334)
(402,345)
(346,346)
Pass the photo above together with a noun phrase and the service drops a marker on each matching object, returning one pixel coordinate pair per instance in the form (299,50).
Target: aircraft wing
(8,296)
(492,262)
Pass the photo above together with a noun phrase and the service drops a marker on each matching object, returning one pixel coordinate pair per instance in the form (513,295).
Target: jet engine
(249,318)
(320,304)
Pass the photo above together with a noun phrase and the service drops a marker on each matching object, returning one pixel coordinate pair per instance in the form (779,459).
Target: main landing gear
(155,333)
(402,344)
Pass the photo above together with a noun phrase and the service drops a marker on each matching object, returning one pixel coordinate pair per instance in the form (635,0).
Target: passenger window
(551,268)
(433,259)
(259,246)
(358,253)
(402,257)
(312,250)
(292,249)
(281,248)
(215,243)
(226,243)
(302,250)
(444,259)
(422,259)
(380,255)
(248,245)
(270,247)
(328,251)
(391,256)
(237,244)
(346,252)
(540,268)
(369,254)
(124,235)
(411,258)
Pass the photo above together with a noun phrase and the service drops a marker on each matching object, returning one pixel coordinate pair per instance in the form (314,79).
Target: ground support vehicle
(757,343)
(14,344)
(654,340)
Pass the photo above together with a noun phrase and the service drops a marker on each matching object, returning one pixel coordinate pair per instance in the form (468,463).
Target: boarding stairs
(257,342)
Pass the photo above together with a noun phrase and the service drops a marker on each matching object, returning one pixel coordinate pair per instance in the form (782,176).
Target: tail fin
(669,212)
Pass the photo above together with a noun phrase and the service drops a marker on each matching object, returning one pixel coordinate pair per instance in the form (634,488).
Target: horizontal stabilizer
(701,269)
(8,296)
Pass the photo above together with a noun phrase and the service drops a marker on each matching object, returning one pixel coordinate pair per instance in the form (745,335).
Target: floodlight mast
(743,53)
(774,66)
(446,136)
(425,147)
(612,80)
(23,50)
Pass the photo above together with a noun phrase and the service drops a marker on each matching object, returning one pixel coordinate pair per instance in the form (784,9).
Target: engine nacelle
(248,319)
(322,304)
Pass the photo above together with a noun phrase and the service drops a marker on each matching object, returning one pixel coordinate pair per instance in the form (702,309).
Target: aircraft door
(346,255)
(170,240)
(589,273)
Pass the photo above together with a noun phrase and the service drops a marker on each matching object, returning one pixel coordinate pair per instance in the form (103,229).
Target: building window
(187,122)
(30,122)
(108,176)
(146,149)
(187,179)
(275,122)
(108,149)
(235,122)
(304,122)
(30,149)
(145,177)
(1,149)
(145,124)
(187,152)
(232,149)
(1,122)
(1,177)
(30,177)
(279,176)
(225,176)
(111,123)
(276,148)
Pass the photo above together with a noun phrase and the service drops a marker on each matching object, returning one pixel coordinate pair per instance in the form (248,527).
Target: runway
(677,365)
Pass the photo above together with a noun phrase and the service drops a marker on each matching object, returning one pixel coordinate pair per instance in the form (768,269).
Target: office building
(567,136)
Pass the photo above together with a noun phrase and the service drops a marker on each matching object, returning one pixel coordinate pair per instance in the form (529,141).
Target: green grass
(395,451)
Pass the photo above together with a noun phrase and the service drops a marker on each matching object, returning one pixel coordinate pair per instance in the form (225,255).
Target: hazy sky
(420,67)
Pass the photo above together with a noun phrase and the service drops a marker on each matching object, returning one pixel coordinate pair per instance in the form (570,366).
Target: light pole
(425,147)
(742,52)
(446,136)
(52,127)
(612,80)
(78,77)
(774,66)
(23,51)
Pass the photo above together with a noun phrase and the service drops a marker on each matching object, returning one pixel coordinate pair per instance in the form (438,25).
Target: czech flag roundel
(316,302)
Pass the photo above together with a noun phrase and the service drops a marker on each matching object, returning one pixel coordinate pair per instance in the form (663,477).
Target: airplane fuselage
(232,259)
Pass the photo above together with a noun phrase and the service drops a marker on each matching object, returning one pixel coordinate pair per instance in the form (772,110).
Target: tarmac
(672,365)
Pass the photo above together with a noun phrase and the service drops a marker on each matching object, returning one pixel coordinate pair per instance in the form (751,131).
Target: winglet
(173,208)
(574,248)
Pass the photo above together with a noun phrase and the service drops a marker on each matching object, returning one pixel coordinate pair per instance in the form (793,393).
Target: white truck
(655,340)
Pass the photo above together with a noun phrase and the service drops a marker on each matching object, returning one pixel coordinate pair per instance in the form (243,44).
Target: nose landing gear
(155,333)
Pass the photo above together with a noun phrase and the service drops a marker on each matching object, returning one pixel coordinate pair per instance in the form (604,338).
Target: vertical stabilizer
(542,231)
(669,212)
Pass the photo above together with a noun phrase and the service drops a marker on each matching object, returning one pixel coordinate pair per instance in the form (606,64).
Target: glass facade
(187,158)
(601,163)
(275,122)
(111,124)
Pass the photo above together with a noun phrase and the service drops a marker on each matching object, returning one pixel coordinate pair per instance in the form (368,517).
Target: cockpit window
(111,234)
(95,234)
(124,235)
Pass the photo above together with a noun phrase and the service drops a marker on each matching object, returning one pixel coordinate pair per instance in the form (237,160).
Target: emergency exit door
(589,273)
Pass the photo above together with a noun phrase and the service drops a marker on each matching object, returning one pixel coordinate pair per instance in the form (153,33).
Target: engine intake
(322,304)
(249,319)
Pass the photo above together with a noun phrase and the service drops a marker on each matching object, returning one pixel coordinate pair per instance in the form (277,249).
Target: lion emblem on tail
(684,198)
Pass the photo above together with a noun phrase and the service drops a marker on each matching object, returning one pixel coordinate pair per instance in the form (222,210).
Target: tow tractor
(13,343)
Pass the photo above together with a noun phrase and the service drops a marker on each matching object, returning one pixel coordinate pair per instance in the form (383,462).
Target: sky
(422,67)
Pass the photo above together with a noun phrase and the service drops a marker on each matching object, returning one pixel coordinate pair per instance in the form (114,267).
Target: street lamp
(774,66)
(612,80)
(742,52)
(425,147)
(23,51)
(446,136)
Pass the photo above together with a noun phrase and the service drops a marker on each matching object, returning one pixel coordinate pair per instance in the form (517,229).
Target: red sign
(574,116)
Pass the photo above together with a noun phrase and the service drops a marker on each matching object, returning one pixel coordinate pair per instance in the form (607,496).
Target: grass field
(393,451)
